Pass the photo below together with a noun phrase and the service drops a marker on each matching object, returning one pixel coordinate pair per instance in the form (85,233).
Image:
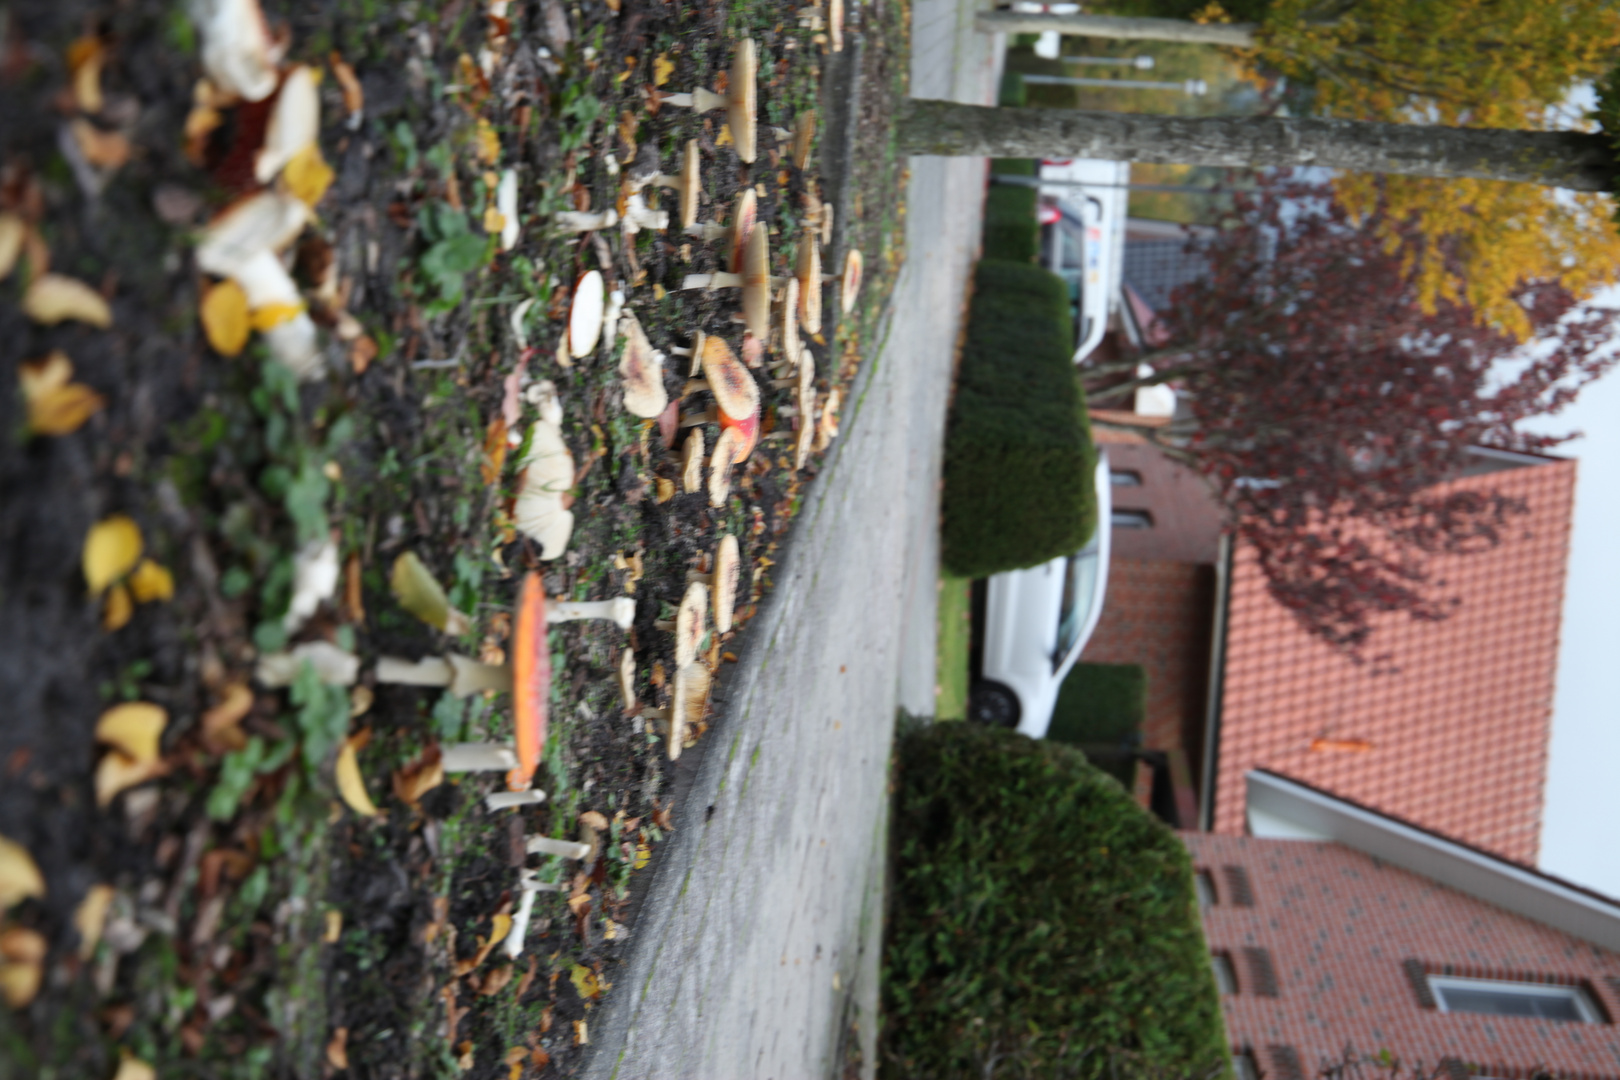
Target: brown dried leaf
(222,725)
(103,149)
(56,404)
(494,450)
(418,777)
(354,96)
(337,1050)
(85,58)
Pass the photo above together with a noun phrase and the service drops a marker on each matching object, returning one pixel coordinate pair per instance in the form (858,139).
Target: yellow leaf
(724,138)
(494,220)
(420,593)
(666,490)
(84,57)
(19,875)
(91,916)
(585,982)
(117,771)
(56,405)
(273,315)
(487,144)
(307,175)
(151,581)
(350,784)
(663,68)
(53,298)
(19,983)
(133,1068)
(12,231)
(118,609)
(135,728)
(643,855)
(111,549)
(224,315)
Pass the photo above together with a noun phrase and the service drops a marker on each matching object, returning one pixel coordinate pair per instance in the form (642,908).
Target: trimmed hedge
(1039,914)
(1018,452)
(1100,703)
(1011,230)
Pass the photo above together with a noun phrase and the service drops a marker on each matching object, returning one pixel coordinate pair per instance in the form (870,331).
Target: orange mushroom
(531,680)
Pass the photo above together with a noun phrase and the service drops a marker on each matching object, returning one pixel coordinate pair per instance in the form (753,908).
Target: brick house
(1333,926)
(1447,730)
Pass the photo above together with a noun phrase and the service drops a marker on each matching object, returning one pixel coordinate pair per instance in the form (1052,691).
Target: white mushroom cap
(743,218)
(727,448)
(757,284)
(542,519)
(727,574)
(585,316)
(790,322)
(295,122)
(642,369)
(266,221)
(692,462)
(827,426)
(688,698)
(741,100)
(238,54)
(691,623)
(548,474)
(691,183)
(627,678)
(506,204)
(808,272)
(850,287)
(807,427)
(734,389)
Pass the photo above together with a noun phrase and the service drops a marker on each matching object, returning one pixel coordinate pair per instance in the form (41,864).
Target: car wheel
(993,704)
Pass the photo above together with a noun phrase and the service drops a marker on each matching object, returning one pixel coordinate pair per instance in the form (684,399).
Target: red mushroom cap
(531,680)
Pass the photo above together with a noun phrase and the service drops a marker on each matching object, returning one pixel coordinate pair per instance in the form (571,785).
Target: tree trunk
(1233,35)
(1567,159)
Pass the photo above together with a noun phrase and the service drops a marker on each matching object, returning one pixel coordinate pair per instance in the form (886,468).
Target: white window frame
(1438,984)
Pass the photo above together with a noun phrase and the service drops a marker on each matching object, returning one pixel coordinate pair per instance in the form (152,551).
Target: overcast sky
(1580,834)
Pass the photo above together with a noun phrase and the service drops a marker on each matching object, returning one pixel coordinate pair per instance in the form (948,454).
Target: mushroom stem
(513,945)
(698,419)
(699,100)
(462,675)
(478,757)
(717,280)
(638,217)
(694,386)
(428,671)
(581,221)
(621,611)
(506,800)
(566,849)
(706,231)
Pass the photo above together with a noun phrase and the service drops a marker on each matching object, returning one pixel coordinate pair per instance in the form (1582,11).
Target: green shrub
(1011,230)
(1100,703)
(1018,451)
(1038,914)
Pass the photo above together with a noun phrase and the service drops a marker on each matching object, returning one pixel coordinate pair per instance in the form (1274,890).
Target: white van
(1083,205)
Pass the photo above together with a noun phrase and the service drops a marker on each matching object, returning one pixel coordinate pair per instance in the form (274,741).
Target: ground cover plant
(235,487)
(1040,922)
(1018,452)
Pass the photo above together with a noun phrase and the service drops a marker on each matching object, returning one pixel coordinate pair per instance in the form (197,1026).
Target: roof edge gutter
(1217,680)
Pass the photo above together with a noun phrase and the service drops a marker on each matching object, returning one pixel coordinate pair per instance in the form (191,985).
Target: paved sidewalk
(755,953)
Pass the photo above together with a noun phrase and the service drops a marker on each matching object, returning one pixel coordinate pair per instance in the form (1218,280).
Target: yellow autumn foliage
(224,314)
(111,549)
(56,404)
(307,175)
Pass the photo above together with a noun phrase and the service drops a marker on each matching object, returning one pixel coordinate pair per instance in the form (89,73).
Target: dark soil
(258,927)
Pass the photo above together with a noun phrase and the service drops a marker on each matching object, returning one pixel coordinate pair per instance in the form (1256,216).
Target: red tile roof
(1458,734)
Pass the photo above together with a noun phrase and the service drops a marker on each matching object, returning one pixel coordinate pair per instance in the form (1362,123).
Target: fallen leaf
(362,353)
(582,1033)
(273,315)
(351,786)
(12,231)
(353,603)
(224,314)
(103,149)
(90,916)
(85,57)
(724,138)
(19,875)
(117,772)
(441,913)
(501,925)
(22,965)
(354,96)
(497,980)
(337,1050)
(494,220)
(487,144)
(56,404)
(420,593)
(418,777)
(53,298)
(150,582)
(666,490)
(222,725)
(133,1068)
(306,175)
(661,816)
(464,1056)
(111,549)
(663,68)
(585,982)
(643,855)
(361,698)
(117,610)
(134,728)
(594,819)
(494,450)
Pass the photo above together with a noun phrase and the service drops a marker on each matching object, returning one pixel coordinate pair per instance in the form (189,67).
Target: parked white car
(1035,624)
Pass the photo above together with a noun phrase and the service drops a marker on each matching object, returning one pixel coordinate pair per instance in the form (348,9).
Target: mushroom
(804,133)
(627,679)
(722,581)
(333,666)
(621,611)
(736,394)
(687,184)
(826,223)
(757,284)
(582,221)
(689,624)
(509,800)
(548,474)
(610,316)
(835,24)
(850,286)
(315,577)
(753,351)
(692,462)
(808,271)
(637,216)
(642,369)
(531,680)
(461,675)
(741,100)
(565,849)
(239,55)
(295,122)
(477,757)
(744,216)
(506,204)
(790,322)
(585,315)
(827,426)
(807,427)
(241,244)
(706,231)
(725,455)
(695,351)
(688,698)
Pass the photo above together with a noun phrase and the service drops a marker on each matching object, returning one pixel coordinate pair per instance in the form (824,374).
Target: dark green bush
(1010,227)
(1100,703)
(1040,915)
(1018,451)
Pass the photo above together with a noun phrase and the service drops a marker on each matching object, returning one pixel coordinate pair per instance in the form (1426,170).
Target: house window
(1204,887)
(1243,1066)
(1538,1000)
(1262,974)
(1225,977)
(1239,893)
(1124,478)
(1132,519)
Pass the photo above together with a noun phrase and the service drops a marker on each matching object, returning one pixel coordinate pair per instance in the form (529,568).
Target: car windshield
(1079,593)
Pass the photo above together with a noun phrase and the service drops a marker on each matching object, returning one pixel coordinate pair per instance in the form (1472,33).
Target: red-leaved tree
(1327,407)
